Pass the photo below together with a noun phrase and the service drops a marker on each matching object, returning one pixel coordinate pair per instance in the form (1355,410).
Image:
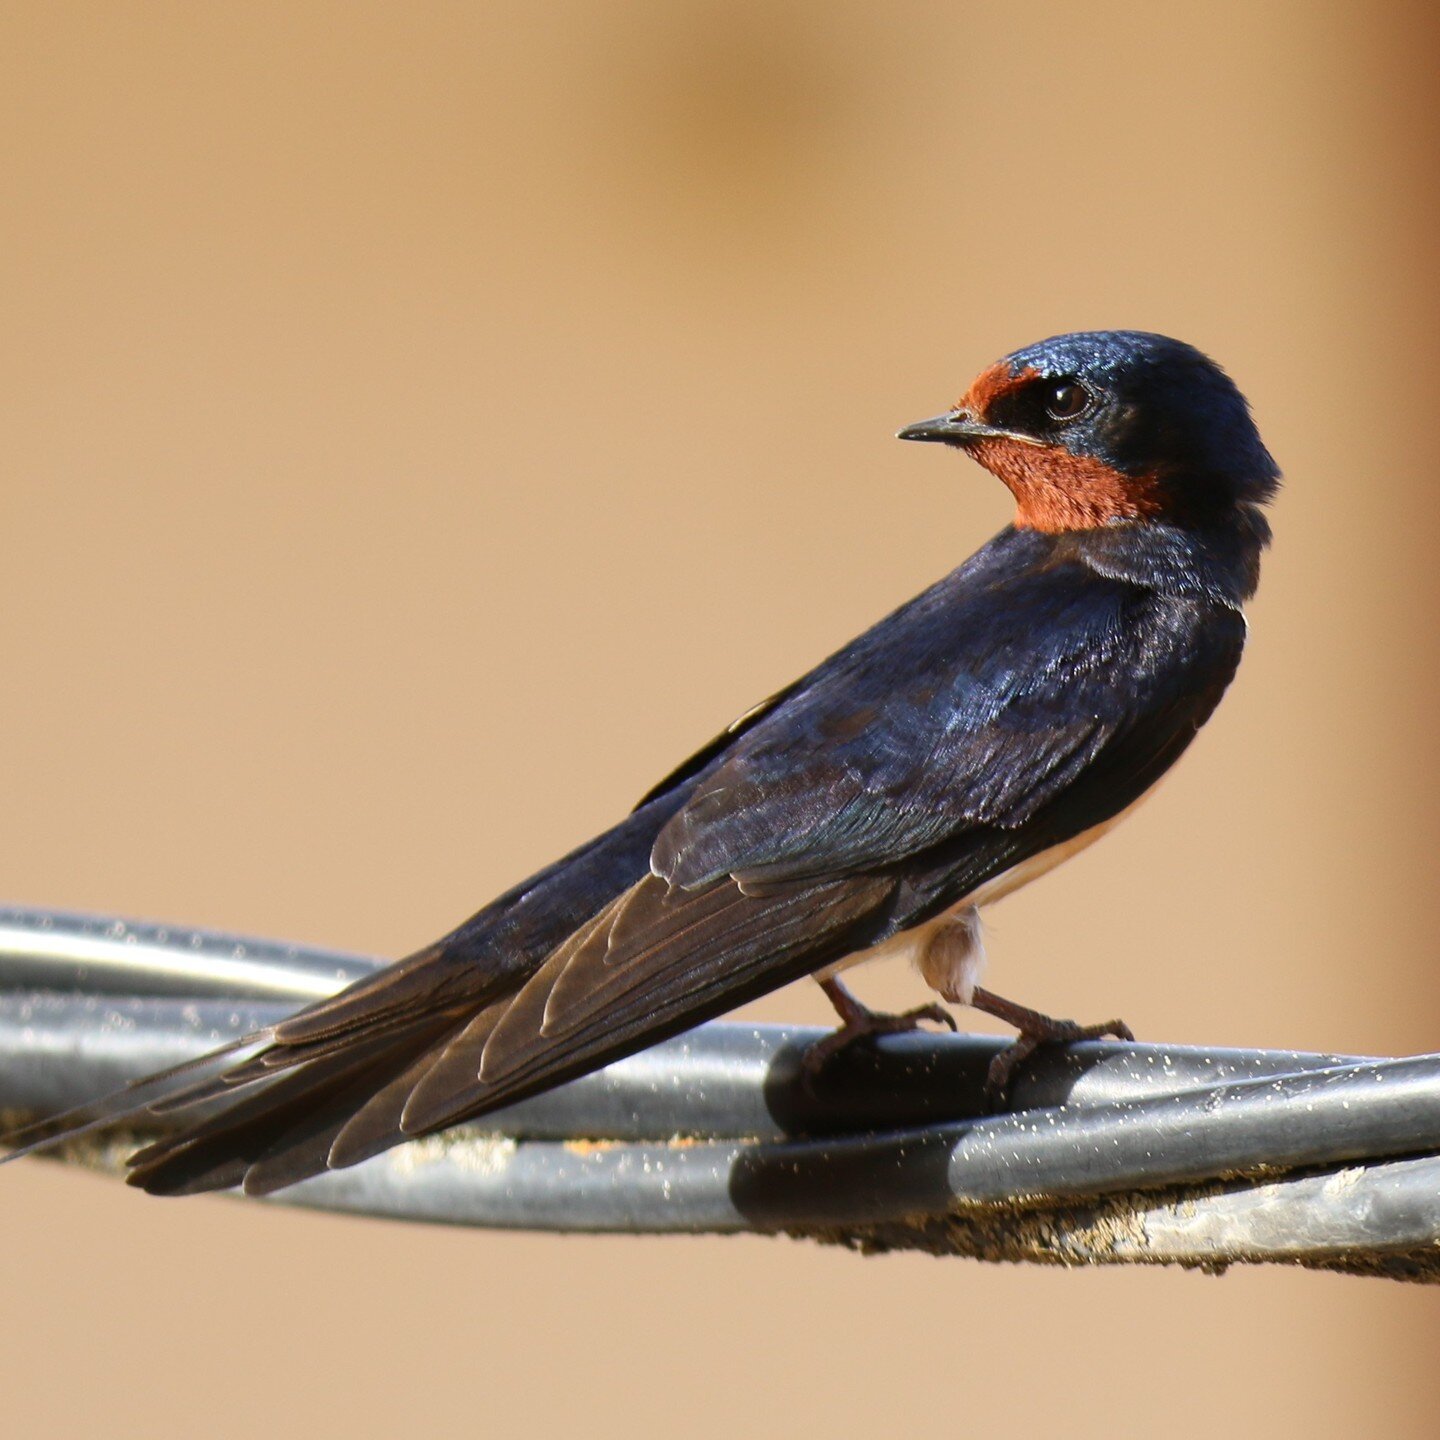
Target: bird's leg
(858,1021)
(1035,1030)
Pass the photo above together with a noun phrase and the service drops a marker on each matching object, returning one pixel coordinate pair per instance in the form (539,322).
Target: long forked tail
(347,1045)
(408,1052)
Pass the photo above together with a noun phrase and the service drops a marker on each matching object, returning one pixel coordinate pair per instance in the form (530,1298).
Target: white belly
(947,950)
(1043,863)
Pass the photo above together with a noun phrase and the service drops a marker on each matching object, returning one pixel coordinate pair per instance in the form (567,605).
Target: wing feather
(597,999)
(682,957)
(991,736)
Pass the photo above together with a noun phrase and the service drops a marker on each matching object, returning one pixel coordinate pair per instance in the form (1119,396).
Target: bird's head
(1111,426)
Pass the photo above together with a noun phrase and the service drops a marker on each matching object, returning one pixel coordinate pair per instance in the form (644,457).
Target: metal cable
(1110,1153)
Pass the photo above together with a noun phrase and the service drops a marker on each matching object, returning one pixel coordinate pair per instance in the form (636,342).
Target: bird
(981,734)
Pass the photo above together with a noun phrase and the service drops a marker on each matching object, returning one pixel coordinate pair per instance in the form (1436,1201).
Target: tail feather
(289,1121)
(277,1059)
(369,1031)
(146,1095)
(407,986)
(367,1111)
(387,1062)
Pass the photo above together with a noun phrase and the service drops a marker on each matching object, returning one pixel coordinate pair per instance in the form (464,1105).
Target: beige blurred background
(421,425)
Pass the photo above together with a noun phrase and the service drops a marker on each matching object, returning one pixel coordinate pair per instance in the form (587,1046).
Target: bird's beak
(959,427)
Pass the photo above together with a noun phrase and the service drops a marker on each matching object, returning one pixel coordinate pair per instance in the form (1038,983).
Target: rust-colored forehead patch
(991,384)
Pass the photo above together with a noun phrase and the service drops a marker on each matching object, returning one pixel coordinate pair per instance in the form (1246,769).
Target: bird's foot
(1035,1030)
(858,1022)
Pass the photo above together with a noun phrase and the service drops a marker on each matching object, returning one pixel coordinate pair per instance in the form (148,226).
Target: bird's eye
(1066,399)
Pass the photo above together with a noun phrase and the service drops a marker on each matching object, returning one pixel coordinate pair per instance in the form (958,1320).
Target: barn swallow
(971,741)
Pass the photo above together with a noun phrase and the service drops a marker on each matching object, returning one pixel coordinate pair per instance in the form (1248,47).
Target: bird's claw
(1030,1039)
(862,1025)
